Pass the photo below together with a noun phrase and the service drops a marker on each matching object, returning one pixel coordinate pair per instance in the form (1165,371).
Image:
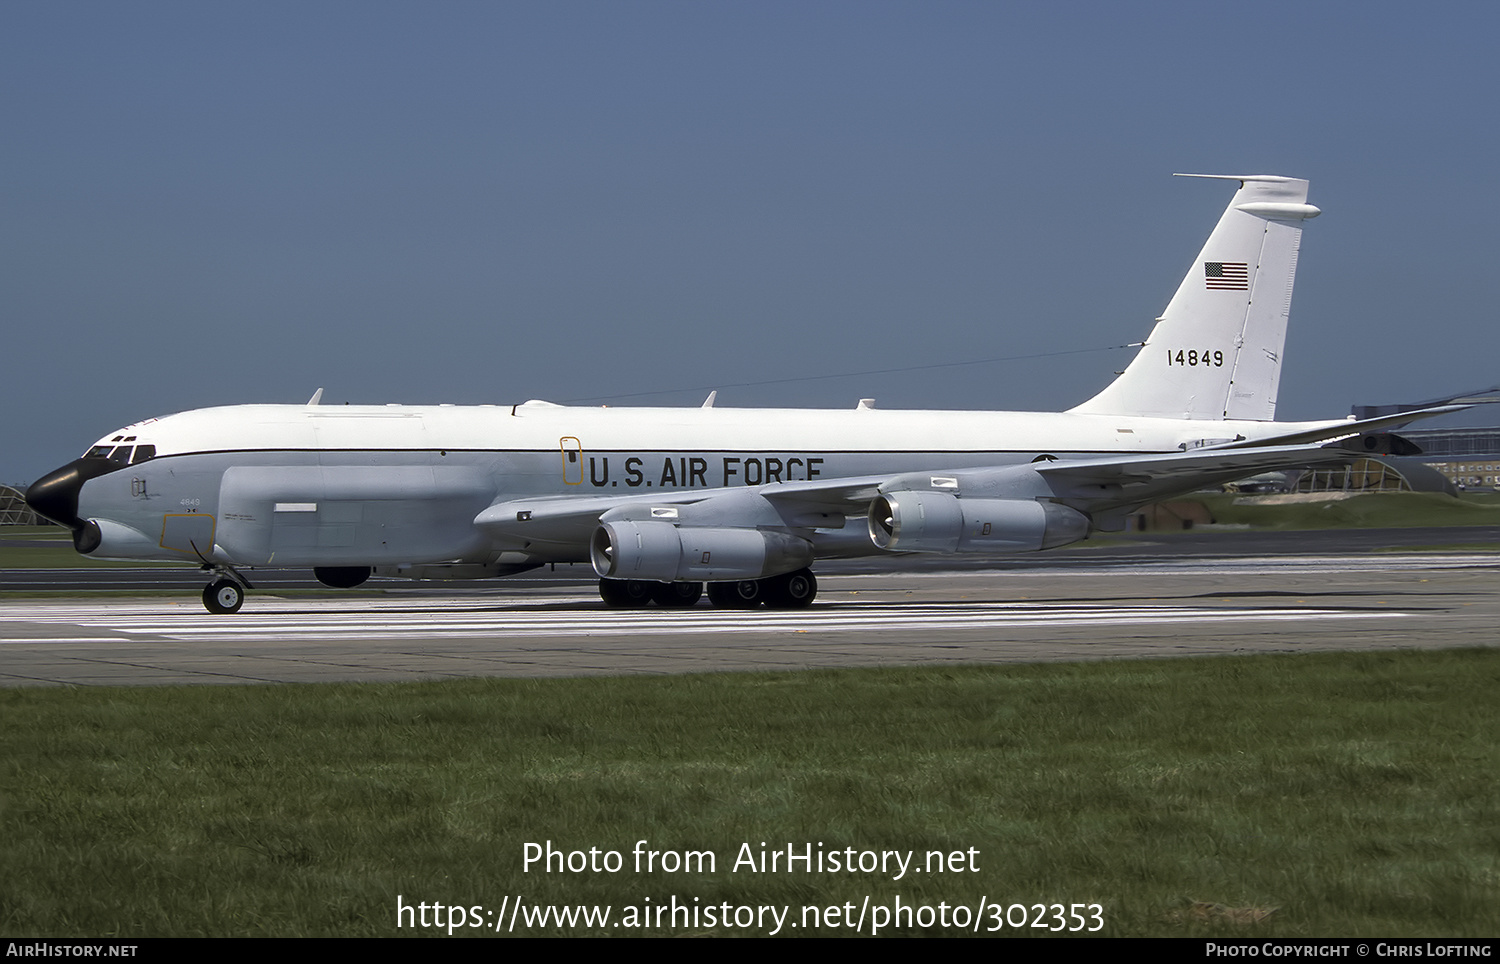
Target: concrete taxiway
(1094,608)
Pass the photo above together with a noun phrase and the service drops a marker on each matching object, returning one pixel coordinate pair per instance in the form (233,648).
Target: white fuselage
(401,485)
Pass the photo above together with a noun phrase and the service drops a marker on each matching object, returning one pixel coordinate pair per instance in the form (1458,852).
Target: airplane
(665,501)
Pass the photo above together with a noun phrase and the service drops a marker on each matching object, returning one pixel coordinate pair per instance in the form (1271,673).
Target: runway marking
(1078,564)
(397,619)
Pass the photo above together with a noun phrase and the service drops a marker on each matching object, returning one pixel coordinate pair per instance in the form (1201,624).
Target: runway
(557,627)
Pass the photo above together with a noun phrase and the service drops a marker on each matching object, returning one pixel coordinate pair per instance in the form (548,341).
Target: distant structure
(1375,475)
(15,512)
(1483,396)
(1468,457)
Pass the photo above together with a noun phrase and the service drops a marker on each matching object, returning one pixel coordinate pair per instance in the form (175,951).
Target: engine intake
(104,539)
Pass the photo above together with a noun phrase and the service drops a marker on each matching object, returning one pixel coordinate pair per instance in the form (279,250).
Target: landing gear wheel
(794,590)
(223,596)
(745,594)
(626,593)
(677,595)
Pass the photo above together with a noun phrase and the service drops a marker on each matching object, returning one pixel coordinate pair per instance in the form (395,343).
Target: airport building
(1371,475)
(1469,457)
(15,512)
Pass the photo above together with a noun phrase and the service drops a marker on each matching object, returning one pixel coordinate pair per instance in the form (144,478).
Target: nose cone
(55,495)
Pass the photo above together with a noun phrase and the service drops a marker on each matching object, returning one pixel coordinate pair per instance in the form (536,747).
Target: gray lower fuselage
(407,508)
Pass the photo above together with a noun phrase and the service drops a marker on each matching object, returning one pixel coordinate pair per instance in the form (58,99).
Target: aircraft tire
(794,590)
(677,595)
(744,594)
(223,596)
(625,593)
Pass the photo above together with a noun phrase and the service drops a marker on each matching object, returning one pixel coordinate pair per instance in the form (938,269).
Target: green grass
(1383,510)
(1328,794)
(52,548)
(64,557)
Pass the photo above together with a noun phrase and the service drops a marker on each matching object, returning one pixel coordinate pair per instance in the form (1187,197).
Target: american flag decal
(1226,275)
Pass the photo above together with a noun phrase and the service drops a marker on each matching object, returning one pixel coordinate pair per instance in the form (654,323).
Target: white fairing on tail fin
(1216,351)
(662,501)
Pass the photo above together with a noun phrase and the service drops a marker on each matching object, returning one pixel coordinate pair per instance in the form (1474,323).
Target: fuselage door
(190,532)
(572,458)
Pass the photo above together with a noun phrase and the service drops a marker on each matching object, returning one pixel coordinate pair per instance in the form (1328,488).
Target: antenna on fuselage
(316,399)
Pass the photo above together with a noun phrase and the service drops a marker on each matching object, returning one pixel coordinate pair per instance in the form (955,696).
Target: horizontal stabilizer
(1337,430)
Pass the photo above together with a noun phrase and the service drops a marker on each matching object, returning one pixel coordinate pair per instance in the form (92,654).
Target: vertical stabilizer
(1216,351)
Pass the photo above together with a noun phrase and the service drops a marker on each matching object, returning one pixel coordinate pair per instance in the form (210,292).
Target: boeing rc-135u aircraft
(662,501)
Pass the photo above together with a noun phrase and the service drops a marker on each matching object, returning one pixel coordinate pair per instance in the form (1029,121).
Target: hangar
(15,512)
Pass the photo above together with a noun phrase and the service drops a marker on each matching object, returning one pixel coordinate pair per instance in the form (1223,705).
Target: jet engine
(104,539)
(663,552)
(917,521)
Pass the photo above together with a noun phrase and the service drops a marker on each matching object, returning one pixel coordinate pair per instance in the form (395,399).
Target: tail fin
(1216,351)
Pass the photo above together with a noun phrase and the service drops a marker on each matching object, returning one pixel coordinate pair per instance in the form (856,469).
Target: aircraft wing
(1095,485)
(561,527)
(571,520)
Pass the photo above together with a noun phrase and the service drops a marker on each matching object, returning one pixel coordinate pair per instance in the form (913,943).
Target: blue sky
(487,202)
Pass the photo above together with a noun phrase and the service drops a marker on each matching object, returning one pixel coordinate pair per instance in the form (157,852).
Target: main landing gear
(793,590)
(223,596)
(226,594)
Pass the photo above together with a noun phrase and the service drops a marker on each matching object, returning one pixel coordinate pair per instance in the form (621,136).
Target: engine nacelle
(918,521)
(104,539)
(663,552)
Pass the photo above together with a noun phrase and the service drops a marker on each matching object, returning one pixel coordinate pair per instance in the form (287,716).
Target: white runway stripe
(1079,565)
(385,619)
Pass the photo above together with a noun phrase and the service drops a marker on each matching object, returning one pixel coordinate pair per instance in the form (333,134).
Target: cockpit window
(127,454)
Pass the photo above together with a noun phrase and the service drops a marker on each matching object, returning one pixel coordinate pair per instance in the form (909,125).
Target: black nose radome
(55,495)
